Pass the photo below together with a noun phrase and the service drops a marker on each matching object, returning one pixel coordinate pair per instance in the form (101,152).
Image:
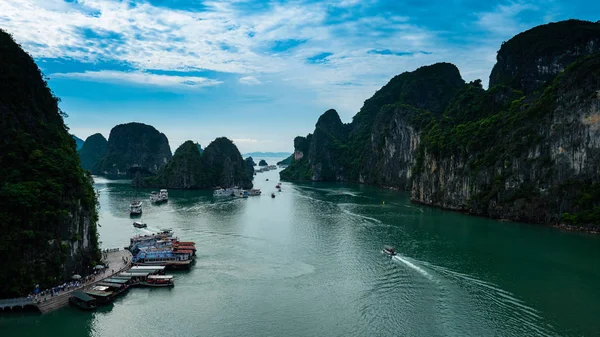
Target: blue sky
(258,72)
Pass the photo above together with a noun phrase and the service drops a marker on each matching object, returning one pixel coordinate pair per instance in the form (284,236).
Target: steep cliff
(525,149)
(262,162)
(185,170)
(250,166)
(134,147)
(219,165)
(535,160)
(93,149)
(380,144)
(48,210)
(225,165)
(533,58)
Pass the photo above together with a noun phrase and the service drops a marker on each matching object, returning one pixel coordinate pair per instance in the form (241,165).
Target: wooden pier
(49,303)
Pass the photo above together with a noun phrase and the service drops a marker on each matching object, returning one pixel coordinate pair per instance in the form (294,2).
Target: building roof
(82,296)
(116,280)
(99,293)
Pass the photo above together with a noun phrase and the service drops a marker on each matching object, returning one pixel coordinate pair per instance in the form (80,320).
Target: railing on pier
(16,302)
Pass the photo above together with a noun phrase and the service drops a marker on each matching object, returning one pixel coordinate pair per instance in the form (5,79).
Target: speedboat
(389,250)
(138,224)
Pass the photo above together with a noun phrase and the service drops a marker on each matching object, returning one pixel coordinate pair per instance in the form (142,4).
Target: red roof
(182,252)
(185,247)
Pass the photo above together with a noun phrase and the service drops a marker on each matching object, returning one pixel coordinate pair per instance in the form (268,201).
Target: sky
(258,72)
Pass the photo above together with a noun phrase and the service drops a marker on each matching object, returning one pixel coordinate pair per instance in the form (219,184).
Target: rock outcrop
(219,165)
(93,149)
(134,147)
(48,211)
(527,149)
(262,162)
(250,166)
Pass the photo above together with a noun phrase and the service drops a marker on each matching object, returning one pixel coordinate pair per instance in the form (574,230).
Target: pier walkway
(116,264)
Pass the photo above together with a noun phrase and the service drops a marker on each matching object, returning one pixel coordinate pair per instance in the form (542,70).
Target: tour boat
(170,259)
(241,193)
(139,224)
(389,250)
(163,195)
(154,197)
(254,192)
(135,208)
(223,192)
(158,281)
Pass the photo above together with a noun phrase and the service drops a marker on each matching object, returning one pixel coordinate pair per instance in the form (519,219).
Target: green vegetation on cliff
(525,149)
(48,213)
(219,165)
(286,161)
(134,147)
(93,149)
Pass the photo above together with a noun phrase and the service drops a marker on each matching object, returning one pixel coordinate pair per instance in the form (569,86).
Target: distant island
(526,149)
(267,154)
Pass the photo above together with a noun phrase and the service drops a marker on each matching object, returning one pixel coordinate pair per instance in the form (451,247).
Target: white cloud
(503,21)
(248,140)
(140,78)
(249,80)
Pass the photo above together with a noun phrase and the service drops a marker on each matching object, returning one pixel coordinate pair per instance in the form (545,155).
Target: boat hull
(153,285)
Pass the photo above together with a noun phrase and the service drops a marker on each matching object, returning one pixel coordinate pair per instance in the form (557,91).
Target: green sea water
(308,263)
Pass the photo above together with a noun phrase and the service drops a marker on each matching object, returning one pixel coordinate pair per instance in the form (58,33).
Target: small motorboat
(138,224)
(272,195)
(267,179)
(389,250)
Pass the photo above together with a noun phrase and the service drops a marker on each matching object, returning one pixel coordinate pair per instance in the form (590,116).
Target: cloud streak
(141,78)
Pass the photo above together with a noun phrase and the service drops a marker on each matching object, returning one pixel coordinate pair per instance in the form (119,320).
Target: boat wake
(490,297)
(413,266)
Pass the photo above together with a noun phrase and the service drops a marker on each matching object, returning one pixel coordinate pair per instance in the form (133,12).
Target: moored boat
(254,192)
(223,192)
(389,250)
(158,281)
(83,300)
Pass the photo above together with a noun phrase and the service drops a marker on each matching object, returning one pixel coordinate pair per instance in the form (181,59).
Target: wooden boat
(158,281)
(83,300)
(389,250)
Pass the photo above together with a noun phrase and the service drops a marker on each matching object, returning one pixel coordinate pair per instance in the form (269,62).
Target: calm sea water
(309,263)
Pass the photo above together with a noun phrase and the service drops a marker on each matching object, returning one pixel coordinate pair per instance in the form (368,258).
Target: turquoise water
(309,263)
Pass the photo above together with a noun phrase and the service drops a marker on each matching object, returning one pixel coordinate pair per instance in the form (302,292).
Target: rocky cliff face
(48,214)
(225,165)
(134,147)
(219,165)
(525,149)
(532,58)
(93,149)
(185,170)
(379,145)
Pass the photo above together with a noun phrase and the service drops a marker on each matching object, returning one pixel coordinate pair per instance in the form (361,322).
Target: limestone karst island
(162,173)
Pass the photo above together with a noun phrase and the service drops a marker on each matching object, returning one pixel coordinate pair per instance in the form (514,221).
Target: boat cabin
(83,300)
